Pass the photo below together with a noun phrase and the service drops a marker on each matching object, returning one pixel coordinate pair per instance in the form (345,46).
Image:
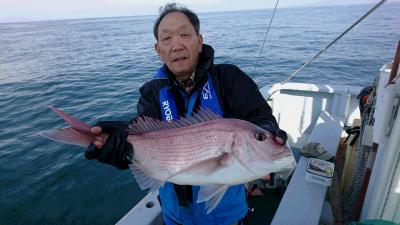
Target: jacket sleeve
(148,105)
(243,100)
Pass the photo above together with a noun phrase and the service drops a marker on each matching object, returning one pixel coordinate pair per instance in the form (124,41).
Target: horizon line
(151,14)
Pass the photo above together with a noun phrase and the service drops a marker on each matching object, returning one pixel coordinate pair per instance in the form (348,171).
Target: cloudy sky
(28,10)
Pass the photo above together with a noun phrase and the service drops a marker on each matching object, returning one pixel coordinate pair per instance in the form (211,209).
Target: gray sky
(28,10)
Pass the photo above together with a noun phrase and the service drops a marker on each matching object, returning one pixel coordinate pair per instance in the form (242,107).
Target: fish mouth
(284,152)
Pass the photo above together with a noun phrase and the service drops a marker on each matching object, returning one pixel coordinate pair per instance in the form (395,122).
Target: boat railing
(310,113)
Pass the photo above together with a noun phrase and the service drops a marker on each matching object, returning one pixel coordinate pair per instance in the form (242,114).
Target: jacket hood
(206,58)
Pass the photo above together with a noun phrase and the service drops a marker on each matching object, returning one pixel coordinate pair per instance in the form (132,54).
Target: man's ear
(200,42)
(157,50)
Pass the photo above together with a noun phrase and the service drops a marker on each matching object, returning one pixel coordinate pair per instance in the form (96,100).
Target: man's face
(178,44)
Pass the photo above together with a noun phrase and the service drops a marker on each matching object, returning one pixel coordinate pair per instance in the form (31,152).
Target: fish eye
(260,136)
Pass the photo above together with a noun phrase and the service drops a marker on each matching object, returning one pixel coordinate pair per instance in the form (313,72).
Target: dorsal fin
(146,124)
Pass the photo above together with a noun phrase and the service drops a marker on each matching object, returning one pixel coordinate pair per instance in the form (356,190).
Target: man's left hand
(279,140)
(266,178)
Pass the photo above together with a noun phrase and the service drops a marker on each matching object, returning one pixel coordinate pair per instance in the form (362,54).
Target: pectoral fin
(205,167)
(143,179)
(211,195)
(208,192)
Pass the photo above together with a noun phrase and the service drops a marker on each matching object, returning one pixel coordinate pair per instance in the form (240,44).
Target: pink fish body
(204,150)
(218,151)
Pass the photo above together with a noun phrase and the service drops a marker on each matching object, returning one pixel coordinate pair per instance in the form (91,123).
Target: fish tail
(73,122)
(78,134)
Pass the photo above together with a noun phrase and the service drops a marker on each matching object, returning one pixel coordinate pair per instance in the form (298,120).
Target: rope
(350,198)
(306,63)
(266,34)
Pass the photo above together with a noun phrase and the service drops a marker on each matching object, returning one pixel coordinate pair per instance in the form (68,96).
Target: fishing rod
(266,34)
(306,63)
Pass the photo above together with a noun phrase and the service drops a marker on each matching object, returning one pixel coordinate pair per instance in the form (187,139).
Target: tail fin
(74,123)
(78,134)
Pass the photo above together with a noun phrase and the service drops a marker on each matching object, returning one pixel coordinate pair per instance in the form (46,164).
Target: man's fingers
(100,138)
(98,144)
(266,178)
(279,140)
(96,130)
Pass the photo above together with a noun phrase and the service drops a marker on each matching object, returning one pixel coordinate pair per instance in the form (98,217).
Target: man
(187,80)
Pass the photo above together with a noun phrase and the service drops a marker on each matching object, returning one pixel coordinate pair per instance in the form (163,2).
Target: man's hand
(100,138)
(258,187)
(110,145)
(266,178)
(279,140)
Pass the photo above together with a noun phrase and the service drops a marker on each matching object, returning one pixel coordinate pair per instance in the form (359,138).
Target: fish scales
(170,151)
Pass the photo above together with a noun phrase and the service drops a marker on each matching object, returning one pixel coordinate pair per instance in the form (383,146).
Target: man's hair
(174,7)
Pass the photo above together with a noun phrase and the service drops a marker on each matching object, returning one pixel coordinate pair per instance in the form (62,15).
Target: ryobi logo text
(167,110)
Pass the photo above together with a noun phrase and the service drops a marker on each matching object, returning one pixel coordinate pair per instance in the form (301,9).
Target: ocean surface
(93,68)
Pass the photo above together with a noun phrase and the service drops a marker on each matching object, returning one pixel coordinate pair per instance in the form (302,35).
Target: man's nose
(176,44)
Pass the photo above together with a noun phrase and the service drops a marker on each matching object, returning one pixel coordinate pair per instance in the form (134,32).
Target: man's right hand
(100,138)
(110,145)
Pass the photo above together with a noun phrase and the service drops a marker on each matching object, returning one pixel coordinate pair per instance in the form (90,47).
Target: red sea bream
(204,150)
